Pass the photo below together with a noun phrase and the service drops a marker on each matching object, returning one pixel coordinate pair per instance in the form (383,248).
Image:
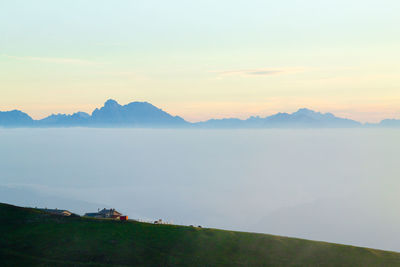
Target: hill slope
(30,237)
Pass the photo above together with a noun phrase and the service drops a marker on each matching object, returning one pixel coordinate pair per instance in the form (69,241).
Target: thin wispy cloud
(119,73)
(125,75)
(56,60)
(110,44)
(256,72)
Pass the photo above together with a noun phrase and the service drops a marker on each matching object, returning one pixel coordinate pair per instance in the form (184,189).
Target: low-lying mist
(337,185)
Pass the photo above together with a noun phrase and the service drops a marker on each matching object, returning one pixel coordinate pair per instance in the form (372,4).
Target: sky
(202,59)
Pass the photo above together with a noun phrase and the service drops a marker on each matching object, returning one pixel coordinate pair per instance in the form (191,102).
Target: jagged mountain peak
(305,111)
(111,103)
(133,114)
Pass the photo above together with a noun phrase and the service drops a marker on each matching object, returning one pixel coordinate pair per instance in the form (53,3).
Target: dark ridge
(31,237)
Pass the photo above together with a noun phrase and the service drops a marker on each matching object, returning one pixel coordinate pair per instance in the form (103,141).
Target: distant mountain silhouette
(112,114)
(15,118)
(303,118)
(390,123)
(76,119)
(144,114)
(134,114)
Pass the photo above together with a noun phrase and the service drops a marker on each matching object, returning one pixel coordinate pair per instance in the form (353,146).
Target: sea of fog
(336,185)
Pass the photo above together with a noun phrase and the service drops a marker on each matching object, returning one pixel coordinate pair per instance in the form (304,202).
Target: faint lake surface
(337,185)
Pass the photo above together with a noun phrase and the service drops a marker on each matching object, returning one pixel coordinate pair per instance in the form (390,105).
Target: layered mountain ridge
(146,115)
(303,118)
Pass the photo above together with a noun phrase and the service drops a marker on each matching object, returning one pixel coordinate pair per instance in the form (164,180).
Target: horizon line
(203,120)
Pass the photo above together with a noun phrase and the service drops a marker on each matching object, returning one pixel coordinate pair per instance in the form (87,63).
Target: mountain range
(145,115)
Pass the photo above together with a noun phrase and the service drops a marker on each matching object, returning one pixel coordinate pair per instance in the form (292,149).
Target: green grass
(29,237)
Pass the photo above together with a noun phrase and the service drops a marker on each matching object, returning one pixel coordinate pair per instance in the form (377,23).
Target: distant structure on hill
(105,213)
(58,212)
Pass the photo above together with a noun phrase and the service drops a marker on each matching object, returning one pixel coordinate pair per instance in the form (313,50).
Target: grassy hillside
(29,237)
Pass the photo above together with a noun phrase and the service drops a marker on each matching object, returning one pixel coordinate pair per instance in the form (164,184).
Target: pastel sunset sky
(202,59)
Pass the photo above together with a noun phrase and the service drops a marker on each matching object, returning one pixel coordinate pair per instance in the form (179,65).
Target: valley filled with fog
(336,185)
